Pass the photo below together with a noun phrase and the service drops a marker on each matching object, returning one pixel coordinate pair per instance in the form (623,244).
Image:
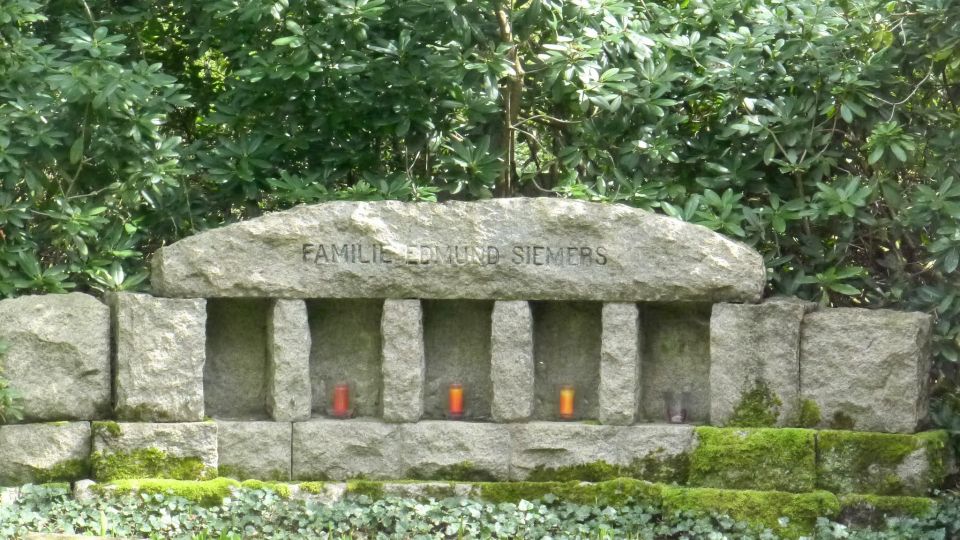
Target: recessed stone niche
(456,335)
(235,373)
(566,350)
(346,347)
(675,358)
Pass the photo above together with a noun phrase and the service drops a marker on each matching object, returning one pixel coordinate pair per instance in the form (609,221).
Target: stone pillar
(288,362)
(404,365)
(511,361)
(755,362)
(160,352)
(619,397)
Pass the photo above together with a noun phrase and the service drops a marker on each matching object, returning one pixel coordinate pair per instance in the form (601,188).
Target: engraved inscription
(454,255)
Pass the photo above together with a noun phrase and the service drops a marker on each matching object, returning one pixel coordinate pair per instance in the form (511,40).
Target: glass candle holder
(567,394)
(675,406)
(340,400)
(455,401)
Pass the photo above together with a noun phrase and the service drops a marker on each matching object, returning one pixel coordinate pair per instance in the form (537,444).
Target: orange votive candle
(341,400)
(455,400)
(566,402)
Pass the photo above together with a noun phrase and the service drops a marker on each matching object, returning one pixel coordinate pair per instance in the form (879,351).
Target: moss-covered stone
(880,463)
(65,471)
(809,414)
(615,492)
(315,488)
(655,467)
(206,492)
(754,458)
(368,488)
(873,510)
(789,515)
(239,473)
(147,463)
(842,420)
(465,472)
(107,427)
(758,407)
(280,488)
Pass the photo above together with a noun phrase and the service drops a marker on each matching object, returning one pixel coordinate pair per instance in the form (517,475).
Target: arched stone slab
(526,248)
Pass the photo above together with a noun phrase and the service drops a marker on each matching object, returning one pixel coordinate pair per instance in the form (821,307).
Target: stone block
(160,353)
(326,449)
(40,453)
(619,398)
(866,369)
(767,459)
(545,451)
(58,355)
(566,351)
(676,359)
(184,451)
(456,336)
(511,361)
(883,463)
(346,346)
(755,364)
(254,450)
(440,450)
(509,249)
(404,366)
(288,361)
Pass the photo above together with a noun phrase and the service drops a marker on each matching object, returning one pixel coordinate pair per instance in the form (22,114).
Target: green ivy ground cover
(265,513)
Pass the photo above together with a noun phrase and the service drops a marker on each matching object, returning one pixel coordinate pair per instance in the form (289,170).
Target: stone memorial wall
(321,343)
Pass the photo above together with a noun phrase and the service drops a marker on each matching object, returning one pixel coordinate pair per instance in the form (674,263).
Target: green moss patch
(744,458)
(315,488)
(147,463)
(880,463)
(789,515)
(206,493)
(65,471)
(366,488)
(809,414)
(758,407)
(280,488)
(616,492)
(873,510)
(465,472)
(107,427)
(654,467)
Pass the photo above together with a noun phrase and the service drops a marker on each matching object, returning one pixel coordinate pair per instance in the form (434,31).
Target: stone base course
(185,451)
(260,450)
(39,453)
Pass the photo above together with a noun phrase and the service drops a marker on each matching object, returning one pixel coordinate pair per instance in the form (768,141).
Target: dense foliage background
(825,133)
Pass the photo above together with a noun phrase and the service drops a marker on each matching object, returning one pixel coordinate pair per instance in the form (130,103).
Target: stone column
(160,352)
(404,365)
(755,362)
(619,397)
(511,361)
(289,397)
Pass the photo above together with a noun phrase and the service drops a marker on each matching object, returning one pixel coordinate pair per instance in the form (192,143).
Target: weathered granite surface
(866,369)
(38,453)
(154,448)
(58,355)
(404,366)
(288,361)
(160,353)
(556,445)
(525,248)
(325,449)
(455,451)
(511,361)
(235,371)
(754,348)
(619,398)
(259,450)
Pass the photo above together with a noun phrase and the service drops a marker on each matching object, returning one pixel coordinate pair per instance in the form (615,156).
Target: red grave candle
(455,400)
(341,400)
(566,402)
